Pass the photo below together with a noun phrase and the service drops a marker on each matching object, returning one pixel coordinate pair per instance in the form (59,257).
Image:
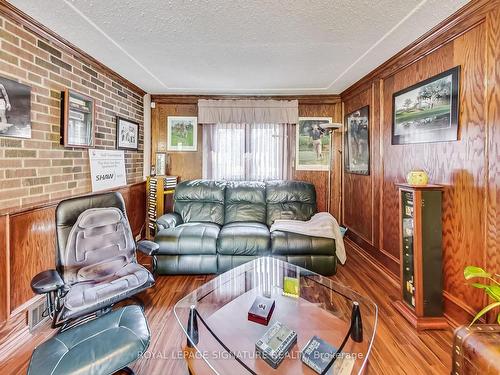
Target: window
(247,151)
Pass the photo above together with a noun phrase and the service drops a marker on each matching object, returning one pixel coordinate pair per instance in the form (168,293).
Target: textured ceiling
(241,46)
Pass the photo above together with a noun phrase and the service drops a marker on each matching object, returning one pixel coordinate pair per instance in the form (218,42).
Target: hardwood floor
(398,348)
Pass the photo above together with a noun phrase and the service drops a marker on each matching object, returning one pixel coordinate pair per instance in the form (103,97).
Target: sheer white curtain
(248,151)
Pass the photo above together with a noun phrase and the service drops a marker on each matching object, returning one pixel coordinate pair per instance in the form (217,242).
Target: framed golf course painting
(182,133)
(312,144)
(427,111)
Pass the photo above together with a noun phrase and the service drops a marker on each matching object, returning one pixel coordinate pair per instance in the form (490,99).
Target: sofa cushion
(200,201)
(245,201)
(189,238)
(243,239)
(285,243)
(294,200)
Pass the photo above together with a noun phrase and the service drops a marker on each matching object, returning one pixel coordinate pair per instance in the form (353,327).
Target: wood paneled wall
(468,167)
(27,242)
(188,165)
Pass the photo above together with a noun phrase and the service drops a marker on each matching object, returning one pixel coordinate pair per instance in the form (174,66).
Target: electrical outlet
(37,314)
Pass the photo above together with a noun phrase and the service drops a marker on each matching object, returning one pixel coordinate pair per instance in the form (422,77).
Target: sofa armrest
(170,220)
(46,281)
(147,247)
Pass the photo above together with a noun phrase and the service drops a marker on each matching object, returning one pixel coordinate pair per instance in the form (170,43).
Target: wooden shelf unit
(159,199)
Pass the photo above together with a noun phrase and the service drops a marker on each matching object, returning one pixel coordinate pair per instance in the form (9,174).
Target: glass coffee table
(220,339)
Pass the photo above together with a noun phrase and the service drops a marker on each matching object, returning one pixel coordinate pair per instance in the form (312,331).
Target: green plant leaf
(472,271)
(491,306)
(498,318)
(479,285)
(492,290)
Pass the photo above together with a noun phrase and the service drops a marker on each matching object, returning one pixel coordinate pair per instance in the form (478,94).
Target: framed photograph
(427,111)
(182,133)
(312,144)
(15,109)
(127,134)
(78,119)
(357,141)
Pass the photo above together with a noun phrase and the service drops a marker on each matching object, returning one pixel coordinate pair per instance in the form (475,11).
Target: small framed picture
(161,163)
(182,133)
(427,111)
(127,134)
(78,120)
(15,109)
(357,142)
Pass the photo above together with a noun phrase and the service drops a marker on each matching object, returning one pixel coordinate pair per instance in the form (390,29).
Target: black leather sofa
(219,225)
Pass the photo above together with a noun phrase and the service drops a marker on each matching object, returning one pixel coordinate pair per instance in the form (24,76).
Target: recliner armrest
(46,281)
(170,220)
(147,247)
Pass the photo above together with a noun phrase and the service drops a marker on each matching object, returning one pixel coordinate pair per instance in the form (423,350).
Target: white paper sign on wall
(107,169)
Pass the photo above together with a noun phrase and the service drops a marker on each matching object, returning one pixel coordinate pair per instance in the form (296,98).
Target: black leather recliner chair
(96,263)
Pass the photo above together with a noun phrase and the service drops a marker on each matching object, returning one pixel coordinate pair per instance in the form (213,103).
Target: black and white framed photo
(357,141)
(127,134)
(15,109)
(428,110)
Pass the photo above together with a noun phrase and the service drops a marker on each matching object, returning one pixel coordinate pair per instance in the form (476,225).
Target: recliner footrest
(101,346)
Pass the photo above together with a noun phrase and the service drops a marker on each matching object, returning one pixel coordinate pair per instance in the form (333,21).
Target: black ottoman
(102,346)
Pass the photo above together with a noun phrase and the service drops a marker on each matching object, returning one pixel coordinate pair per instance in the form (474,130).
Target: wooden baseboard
(420,323)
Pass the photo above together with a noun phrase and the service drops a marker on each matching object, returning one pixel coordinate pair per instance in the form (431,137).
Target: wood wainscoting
(467,167)
(27,242)
(188,165)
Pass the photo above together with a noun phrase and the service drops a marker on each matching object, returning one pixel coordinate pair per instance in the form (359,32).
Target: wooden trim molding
(469,16)
(10,11)
(54,202)
(4,268)
(193,99)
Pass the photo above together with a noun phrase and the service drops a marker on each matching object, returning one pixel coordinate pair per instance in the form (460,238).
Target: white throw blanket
(320,225)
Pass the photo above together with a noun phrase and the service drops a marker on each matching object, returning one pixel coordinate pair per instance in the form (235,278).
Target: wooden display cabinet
(421,271)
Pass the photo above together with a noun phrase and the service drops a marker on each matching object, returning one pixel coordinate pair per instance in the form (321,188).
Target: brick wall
(40,169)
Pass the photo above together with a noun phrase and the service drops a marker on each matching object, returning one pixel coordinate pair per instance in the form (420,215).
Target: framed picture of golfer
(312,144)
(427,111)
(15,109)
(182,133)
(357,144)
(127,134)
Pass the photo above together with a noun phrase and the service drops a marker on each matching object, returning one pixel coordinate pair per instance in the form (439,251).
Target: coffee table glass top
(221,340)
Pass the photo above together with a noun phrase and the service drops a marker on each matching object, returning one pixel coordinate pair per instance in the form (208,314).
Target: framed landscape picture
(182,133)
(15,109)
(427,111)
(127,134)
(312,144)
(357,141)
